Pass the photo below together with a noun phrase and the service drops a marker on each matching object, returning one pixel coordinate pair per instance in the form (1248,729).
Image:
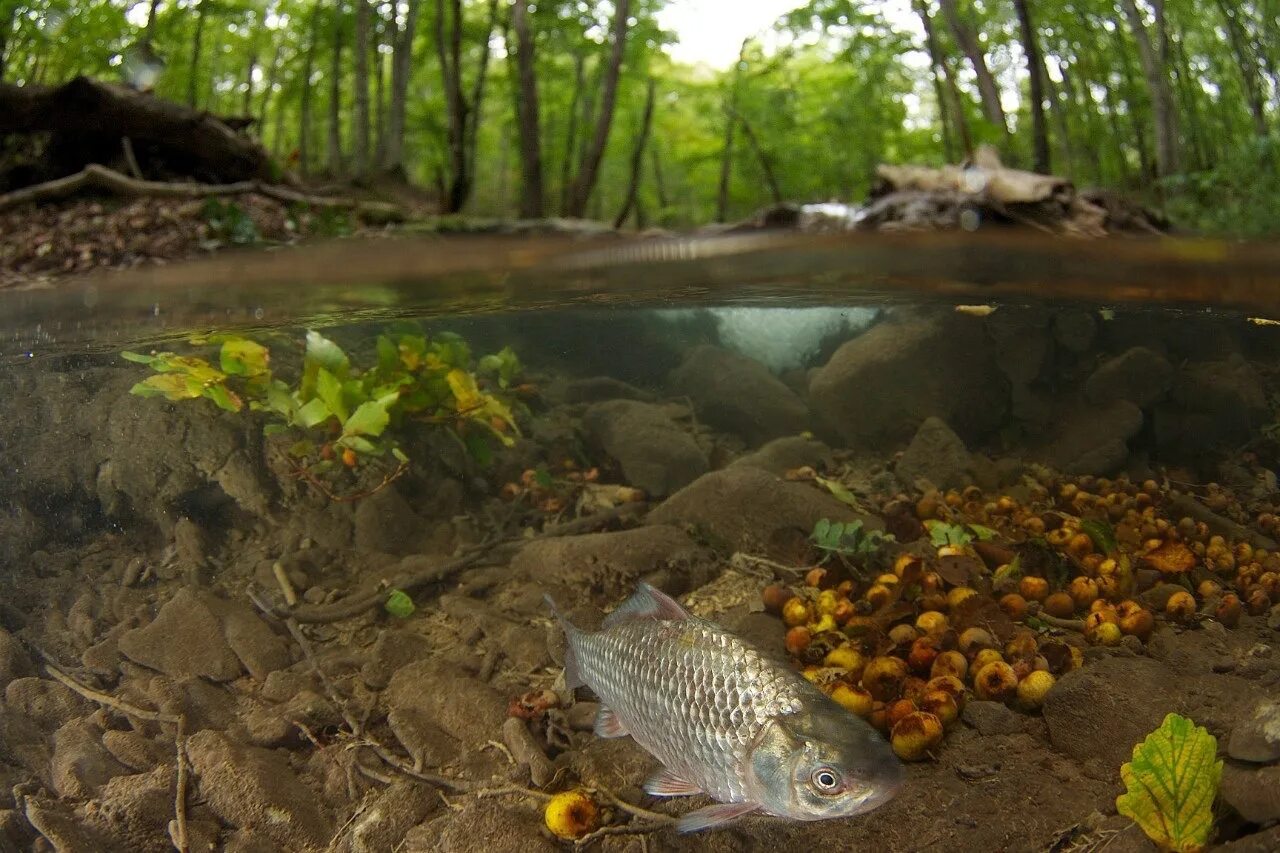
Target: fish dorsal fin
(720,813)
(666,783)
(608,724)
(646,602)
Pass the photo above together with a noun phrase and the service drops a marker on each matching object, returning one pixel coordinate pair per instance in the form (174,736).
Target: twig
(748,562)
(332,692)
(316,483)
(178,831)
(110,701)
(94,175)
(635,811)
(1035,610)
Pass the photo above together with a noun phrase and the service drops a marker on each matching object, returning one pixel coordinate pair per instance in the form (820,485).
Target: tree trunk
(1146,170)
(379,93)
(472,129)
(1035,70)
(361,142)
(775,191)
(197,44)
(637,158)
(401,69)
(449,49)
(334,159)
(968,42)
(304,117)
(945,88)
(246,107)
(730,125)
(148,34)
(1202,148)
(268,89)
(571,132)
(1154,57)
(532,204)
(659,184)
(585,182)
(1248,65)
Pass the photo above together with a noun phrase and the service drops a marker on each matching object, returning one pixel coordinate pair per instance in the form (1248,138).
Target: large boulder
(654,453)
(747,509)
(936,455)
(1139,375)
(1090,439)
(1212,404)
(739,395)
(879,387)
(785,454)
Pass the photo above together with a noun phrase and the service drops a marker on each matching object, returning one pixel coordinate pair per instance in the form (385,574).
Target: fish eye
(826,780)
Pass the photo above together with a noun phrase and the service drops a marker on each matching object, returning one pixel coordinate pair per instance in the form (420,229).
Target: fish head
(822,763)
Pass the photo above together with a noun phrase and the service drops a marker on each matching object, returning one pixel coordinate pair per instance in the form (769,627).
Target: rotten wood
(93,107)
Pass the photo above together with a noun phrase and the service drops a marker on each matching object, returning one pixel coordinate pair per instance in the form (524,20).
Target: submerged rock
(1257,739)
(81,764)
(879,387)
(466,709)
(785,454)
(606,566)
(1212,404)
(1254,792)
(937,455)
(751,510)
(255,790)
(739,395)
(1093,439)
(1139,375)
(655,454)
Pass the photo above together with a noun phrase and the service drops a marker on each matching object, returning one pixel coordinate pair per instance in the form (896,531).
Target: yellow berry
(571,815)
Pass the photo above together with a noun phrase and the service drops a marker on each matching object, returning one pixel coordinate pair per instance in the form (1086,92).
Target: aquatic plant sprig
(340,413)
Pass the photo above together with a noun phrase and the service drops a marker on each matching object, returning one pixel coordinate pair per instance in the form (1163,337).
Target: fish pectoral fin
(665,783)
(716,815)
(608,724)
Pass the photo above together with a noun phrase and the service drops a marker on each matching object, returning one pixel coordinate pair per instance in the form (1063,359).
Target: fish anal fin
(608,724)
(666,783)
(647,602)
(711,816)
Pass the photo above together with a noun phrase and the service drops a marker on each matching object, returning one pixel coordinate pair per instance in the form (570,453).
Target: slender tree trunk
(361,142)
(449,48)
(730,126)
(584,183)
(1202,148)
(944,86)
(1058,111)
(1035,70)
(308,68)
(659,184)
(148,34)
(637,158)
(197,44)
(1153,54)
(571,131)
(1080,104)
(379,92)
(334,158)
(1131,97)
(268,89)
(6,28)
(532,204)
(246,107)
(401,70)
(472,129)
(1247,64)
(766,165)
(968,42)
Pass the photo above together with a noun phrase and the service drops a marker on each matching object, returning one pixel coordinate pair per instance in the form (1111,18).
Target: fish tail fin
(572,674)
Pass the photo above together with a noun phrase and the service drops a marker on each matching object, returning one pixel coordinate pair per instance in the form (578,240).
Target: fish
(724,718)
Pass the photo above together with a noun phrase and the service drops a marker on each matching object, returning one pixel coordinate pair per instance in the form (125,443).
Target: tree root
(100,177)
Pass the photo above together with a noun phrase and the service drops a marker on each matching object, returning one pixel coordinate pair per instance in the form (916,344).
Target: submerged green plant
(340,412)
(848,539)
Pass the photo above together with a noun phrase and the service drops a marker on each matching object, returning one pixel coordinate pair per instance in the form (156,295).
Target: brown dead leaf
(959,569)
(1171,558)
(982,611)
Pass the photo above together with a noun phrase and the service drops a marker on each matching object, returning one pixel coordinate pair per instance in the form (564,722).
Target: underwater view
(640,426)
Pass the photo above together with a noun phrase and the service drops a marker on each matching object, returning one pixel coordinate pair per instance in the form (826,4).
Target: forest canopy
(510,107)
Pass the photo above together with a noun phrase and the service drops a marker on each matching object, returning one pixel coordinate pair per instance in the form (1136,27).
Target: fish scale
(690,693)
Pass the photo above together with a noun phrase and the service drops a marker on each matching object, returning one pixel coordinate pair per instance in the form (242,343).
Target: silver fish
(724,718)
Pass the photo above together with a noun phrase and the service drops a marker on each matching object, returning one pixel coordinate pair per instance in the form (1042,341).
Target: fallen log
(203,143)
(100,177)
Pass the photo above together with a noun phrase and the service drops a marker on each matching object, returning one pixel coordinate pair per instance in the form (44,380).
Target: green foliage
(1239,195)
(399,604)
(1171,784)
(942,533)
(848,539)
(1102,534)
(336,406)
(228,223)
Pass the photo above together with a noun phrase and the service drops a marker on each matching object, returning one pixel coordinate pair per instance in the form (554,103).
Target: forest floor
(194,648)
